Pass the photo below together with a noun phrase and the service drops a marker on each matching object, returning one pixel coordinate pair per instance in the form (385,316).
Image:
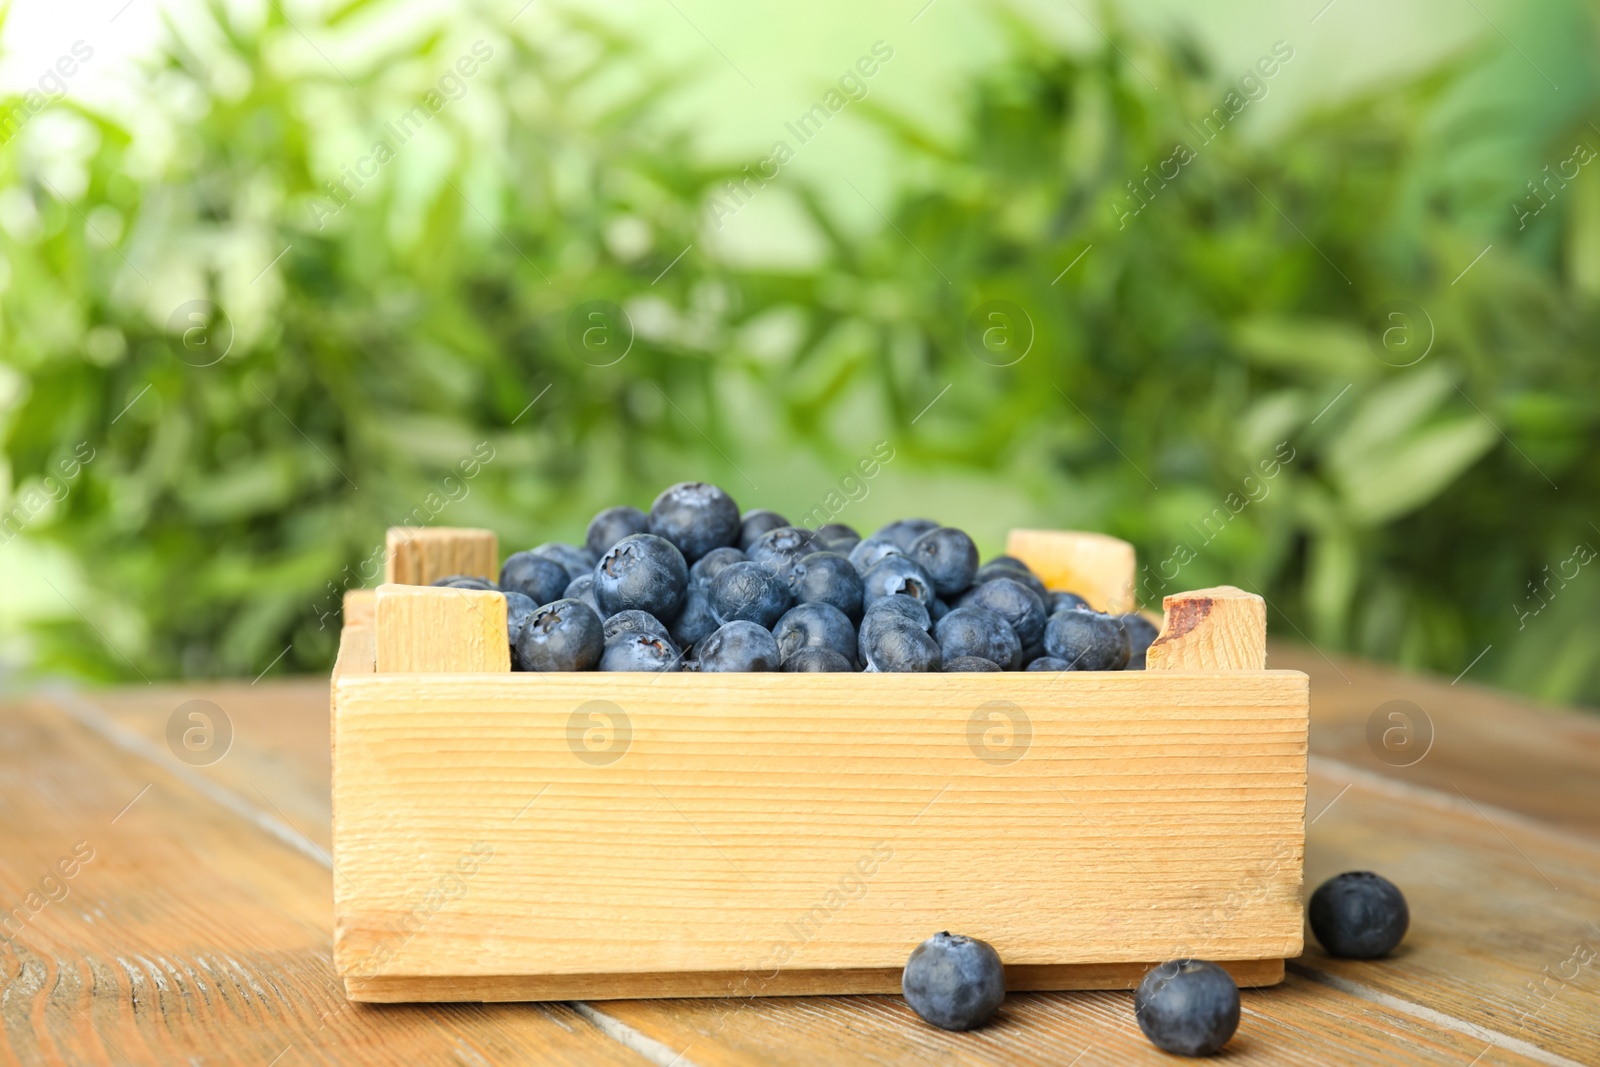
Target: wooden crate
(510,836)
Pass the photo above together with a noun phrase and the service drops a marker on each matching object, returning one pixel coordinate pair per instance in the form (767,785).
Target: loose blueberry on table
(1187,1007)
(1359,915)
(695,585)
(954,982)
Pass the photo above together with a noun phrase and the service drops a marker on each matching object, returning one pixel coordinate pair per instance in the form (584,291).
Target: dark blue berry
(897,574)
(978,632)
(465,581)
(1049,663)
(713,563)
(1088,640)
(895,645)
(1141,634)
(539,577)
(781,550)
(612,525)
(634,621)
(748,592)
(902,532)
(1012,601)
(908,608)
(577,561)
(757,522)
(828,578)
(818,661)
(519,608)
(970,665)
(641,571)
(582,589)
(867,554)
(561,636)
(1187,1007)
(954,982)
(696,518)
(1359,915)
(1059,601)
(695,621)
(837,531)
(634,651)
(738,646)
(1006,567)
(949,557)
(815,626)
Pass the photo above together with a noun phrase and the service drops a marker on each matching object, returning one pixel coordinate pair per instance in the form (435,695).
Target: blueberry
(970,665)
(828,578)
(949,557)
(818,661)
(696,518)
(757,522)
(634,621)
(519,607)
(870,552)
(897,574)
(815,626)
(582,589)
(978,632)
(465,581)
(1011,562)
(905,607)
(561,636)
(712,564)
(1049,663)
(539,577)
(902,532)
(641,571)
(1359,915)
(1012,601)
(738,646)
(612,525)
(954,982)
(837,531)
(1088,640)
(694,622)
(634,651)
(899,646)
(577,561)
(780,550)
(939,609)
(1141,634)
(748,592)
(842,545)
(1187,1007)
(1059,601)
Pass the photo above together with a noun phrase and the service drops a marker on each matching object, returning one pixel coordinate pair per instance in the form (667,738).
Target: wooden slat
(360,607)
(722,836)
(421,555)
(1218,629)
(1096,567)
(190,936)
(428,629)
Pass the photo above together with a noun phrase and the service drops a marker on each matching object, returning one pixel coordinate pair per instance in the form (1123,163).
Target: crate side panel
(578,824)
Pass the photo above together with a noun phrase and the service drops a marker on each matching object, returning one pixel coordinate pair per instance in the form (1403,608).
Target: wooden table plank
(184,931)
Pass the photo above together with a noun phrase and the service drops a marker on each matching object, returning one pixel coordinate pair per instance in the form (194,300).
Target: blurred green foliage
(1274,373)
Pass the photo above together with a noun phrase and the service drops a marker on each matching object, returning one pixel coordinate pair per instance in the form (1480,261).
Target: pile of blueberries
(695,585)
(1187,1007)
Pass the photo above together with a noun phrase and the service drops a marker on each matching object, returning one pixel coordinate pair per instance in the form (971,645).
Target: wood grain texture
(360,607)
(421,555)
(190,936)
(432,629)
(1222,629)
(1096,567)
(738,826)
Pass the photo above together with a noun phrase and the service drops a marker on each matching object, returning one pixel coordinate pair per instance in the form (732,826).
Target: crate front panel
(508,825)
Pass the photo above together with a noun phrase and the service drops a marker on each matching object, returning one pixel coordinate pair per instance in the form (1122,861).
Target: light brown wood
(428,629)
(1247,973)
(1211,629)
(1096,567)
(421,555)
(727,822)
(360,607)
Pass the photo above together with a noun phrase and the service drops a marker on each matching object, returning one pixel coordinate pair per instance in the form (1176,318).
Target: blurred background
(1300,297)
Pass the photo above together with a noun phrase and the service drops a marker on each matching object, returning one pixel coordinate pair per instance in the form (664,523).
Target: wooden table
(195,925)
